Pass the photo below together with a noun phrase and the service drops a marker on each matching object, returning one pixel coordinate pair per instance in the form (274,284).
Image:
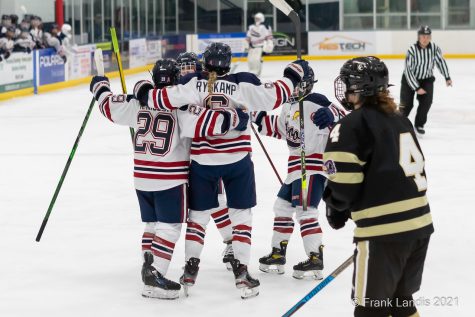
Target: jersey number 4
(411,160)
(154,134)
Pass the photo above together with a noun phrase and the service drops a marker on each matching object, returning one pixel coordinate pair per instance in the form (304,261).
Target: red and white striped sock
(242,243)
(311,234)
(194,240)
(147,237)
(163,244)
(283,228)
(223,223)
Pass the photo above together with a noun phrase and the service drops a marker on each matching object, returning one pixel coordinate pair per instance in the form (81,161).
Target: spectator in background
(24,42)
(6,43)
(6,23)
(14,21)
(37,31)
(52,40)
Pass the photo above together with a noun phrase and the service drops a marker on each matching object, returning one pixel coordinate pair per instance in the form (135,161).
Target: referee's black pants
(425,101)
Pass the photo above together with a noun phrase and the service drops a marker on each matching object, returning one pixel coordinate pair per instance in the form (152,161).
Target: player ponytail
(382,102)
(212,76)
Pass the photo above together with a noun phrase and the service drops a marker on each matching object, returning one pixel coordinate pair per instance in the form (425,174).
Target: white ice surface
(88,262)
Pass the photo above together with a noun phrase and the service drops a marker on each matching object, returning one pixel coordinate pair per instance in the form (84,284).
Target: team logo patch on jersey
(329,167)
(296,115)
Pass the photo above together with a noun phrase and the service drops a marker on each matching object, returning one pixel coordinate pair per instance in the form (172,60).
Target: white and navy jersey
(162,138)
(287,125)
(258,34)
(420,64)
(240,90)
(37,35)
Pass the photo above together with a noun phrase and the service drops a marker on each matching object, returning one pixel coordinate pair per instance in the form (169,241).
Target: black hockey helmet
(424,30)
(217,58)
(366,76)
(305,87)
(165,73)
(188,62)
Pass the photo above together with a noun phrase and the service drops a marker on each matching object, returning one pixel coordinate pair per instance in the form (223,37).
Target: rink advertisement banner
(49,67)
(342,43)
(154,51)
(235,40)
(137,53)
(16,72)
(286,44)
(172,45)
(80,62)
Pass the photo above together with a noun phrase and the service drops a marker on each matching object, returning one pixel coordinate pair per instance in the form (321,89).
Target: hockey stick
(319,287)
(267,154)
(115,46)
(100,71)
(290,9)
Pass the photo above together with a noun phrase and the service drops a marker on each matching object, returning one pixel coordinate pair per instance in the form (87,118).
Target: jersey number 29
(159,127)
(411,160)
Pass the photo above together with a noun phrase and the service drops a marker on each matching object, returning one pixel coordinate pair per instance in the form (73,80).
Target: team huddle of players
(192,162)
(192,127)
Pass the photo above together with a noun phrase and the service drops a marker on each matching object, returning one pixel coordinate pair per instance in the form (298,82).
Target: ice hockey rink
(88,261)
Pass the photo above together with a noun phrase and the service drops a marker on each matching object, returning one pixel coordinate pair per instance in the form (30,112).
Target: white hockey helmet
(66,29)
(259,18)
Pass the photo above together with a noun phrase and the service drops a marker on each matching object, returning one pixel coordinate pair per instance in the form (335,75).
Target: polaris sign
(49,67)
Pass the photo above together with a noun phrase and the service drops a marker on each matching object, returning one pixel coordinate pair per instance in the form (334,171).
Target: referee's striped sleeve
(410,68)
(441,64)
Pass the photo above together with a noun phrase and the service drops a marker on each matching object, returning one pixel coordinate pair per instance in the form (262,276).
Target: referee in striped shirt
(418,76)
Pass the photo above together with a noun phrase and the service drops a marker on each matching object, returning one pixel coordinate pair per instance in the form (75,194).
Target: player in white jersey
(258,41)
(226,157)
(320,115)
(189,63)
(161,163)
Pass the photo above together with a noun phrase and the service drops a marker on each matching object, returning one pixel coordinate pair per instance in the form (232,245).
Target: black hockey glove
(337,219)
(257,117)
(296,70)
(99,84)
(141,90)
(323,118)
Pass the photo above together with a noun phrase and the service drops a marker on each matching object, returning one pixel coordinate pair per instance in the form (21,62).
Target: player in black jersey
(377,177)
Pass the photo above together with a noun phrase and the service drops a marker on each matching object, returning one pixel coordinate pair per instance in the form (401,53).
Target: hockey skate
(228,255)
(312,267)
(275,261)
(248,286)
(190,273)
(155,284)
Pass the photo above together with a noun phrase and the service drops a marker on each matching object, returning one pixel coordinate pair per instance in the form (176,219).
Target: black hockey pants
(425,101)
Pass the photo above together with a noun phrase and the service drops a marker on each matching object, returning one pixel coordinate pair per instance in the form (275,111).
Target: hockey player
(7,43)
(51,39)
(188,63)
(226,157)
(320,115)
(258,41)
(161,161)
(377,177)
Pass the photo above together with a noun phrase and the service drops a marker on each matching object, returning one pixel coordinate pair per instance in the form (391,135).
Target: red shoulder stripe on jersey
(161,176)
(278,92)
(212,124)
(155,100)
(107,110)
(166,100)
(162,164)
(287,89)
(199,124)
